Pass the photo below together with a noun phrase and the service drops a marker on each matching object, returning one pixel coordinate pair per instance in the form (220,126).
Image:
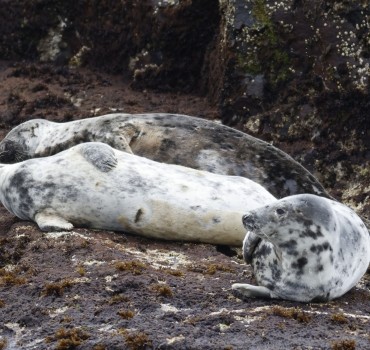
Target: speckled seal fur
(172,139)
(93,185)
(304,248)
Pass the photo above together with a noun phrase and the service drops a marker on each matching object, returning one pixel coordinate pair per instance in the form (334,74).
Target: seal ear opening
(100,155)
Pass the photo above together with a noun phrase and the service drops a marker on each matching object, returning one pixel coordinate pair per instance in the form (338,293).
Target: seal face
(94,185)
(304,248)
(168,138)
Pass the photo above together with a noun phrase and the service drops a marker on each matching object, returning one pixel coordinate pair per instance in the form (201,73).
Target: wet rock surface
(65,60)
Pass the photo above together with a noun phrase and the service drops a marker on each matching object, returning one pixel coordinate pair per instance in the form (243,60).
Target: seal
(172,139)
(93,185)
(304,248)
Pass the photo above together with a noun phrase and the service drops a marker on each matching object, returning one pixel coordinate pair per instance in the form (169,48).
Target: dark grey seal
(168,138)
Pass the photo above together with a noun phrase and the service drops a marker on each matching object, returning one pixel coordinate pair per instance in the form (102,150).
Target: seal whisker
(19,157)
(263,235)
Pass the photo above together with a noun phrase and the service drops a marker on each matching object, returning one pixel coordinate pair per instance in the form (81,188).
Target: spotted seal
(304,248)
(168,138)
(93,185)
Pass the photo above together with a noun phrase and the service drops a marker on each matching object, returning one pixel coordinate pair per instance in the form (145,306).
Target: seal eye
(280,211)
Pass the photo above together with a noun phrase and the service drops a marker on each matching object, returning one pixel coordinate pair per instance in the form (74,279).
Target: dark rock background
(294,73)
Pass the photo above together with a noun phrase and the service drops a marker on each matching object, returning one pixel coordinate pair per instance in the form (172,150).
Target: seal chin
(12,152)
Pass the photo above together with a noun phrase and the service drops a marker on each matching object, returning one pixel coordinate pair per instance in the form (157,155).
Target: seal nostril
(248,220)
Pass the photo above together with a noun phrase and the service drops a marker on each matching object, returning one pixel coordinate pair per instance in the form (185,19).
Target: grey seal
(168,138)
(304,248)
(93,185)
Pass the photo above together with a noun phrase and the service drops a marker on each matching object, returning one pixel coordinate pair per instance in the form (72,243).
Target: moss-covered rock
(297,74)
(292,50)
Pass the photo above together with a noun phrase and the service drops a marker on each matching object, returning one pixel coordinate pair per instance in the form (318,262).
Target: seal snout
(7,151)
(249,222)
(11,152)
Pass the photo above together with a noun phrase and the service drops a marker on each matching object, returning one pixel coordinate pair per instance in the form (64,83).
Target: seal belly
(171,221)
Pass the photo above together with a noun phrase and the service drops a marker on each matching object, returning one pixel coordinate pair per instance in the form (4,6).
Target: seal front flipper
(100,155)
(49,220)
(250,243)
(249,291)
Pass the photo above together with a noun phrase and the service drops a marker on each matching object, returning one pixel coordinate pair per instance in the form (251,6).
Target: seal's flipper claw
(100,155)
(48,220)
(245,290)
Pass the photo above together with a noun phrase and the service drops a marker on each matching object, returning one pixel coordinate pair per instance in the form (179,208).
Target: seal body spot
(304,248)
(138,215)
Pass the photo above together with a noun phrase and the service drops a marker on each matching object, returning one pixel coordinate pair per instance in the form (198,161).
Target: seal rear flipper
(49,220)
(245,290)
(100,155)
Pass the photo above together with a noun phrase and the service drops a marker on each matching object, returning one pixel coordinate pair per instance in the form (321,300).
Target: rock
(52,46)
(299,48)
(296,73)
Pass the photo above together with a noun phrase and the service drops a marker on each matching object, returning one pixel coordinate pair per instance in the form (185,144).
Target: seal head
(22,141)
